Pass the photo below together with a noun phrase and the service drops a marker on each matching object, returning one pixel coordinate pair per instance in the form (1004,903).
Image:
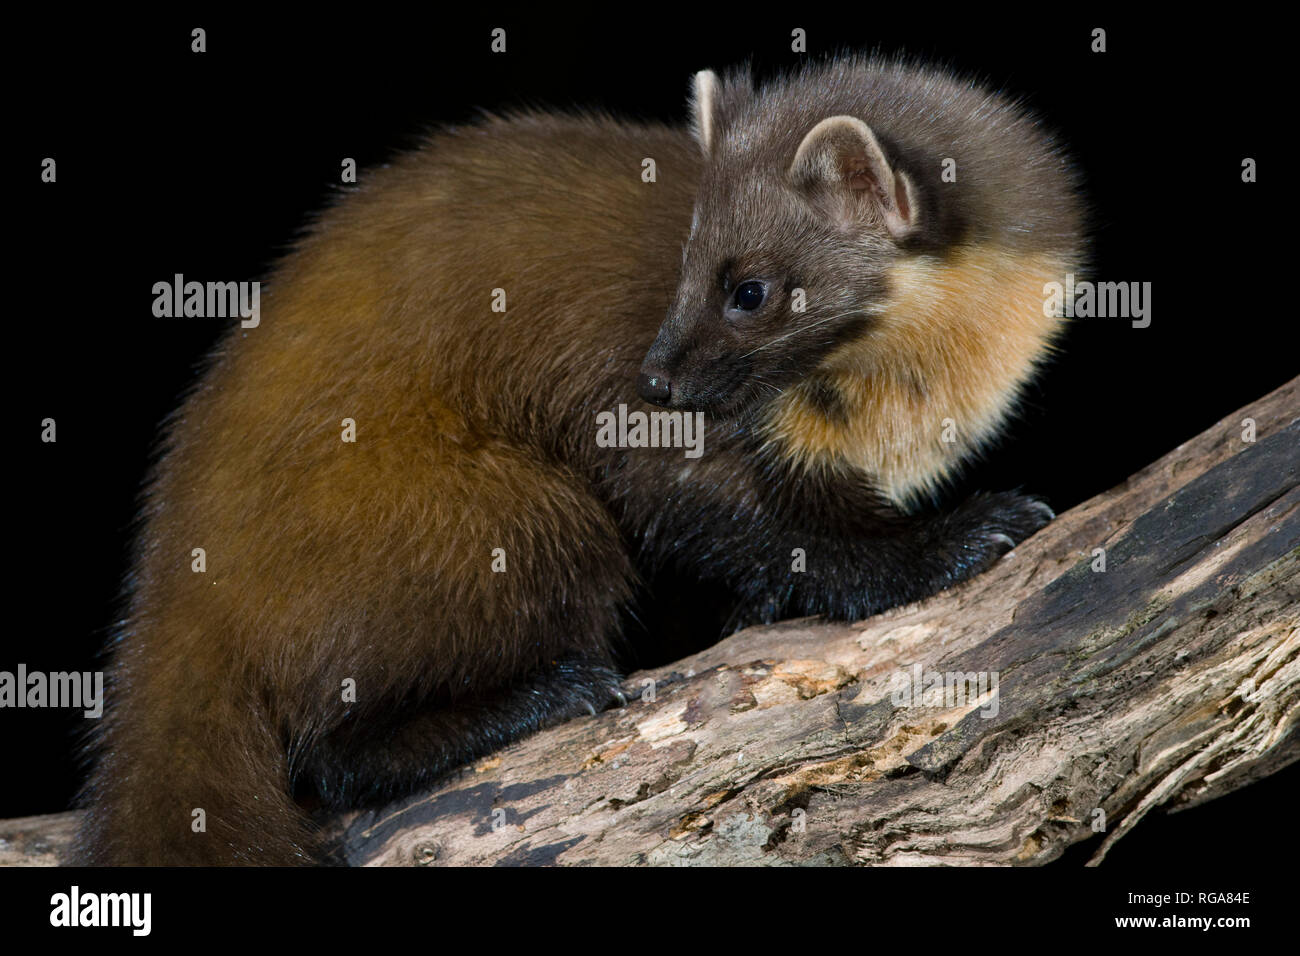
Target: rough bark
(1169,678)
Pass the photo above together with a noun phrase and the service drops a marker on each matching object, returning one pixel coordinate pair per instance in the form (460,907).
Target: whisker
(806,328)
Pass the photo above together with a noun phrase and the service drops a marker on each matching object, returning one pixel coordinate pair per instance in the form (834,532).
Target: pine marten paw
(994,524)
(576,686)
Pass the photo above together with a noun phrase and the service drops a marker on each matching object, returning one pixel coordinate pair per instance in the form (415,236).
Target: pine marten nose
(653,387)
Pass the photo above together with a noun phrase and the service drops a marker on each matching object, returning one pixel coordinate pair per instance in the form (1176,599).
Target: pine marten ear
(841,159)
(705,108)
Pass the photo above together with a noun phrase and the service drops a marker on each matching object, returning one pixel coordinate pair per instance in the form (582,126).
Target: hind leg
(512,628)
(513,589)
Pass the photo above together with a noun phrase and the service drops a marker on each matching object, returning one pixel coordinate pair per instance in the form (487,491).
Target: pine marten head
(868,311)
(785,259)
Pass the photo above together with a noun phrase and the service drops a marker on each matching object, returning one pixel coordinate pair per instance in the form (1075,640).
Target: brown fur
(372,560)
(316,548)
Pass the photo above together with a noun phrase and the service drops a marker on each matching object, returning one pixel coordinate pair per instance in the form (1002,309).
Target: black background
(209,164)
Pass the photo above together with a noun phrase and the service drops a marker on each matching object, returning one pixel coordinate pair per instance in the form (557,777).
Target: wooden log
(36,841)
(1143,650)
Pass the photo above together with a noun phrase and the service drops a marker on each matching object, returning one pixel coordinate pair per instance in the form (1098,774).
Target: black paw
(573,686)
(988,526)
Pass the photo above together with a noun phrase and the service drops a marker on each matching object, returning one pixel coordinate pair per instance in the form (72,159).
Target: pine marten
(841,273)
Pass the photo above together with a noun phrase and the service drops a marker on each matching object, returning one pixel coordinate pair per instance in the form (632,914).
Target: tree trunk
(1143,650)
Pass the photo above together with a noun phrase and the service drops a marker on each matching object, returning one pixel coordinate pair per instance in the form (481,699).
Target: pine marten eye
(750,295)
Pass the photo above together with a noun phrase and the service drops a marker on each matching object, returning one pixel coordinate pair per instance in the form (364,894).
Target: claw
(1002,538)
(620,697)
(1044,508)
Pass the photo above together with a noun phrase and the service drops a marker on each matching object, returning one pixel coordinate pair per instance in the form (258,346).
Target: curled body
(850,323)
